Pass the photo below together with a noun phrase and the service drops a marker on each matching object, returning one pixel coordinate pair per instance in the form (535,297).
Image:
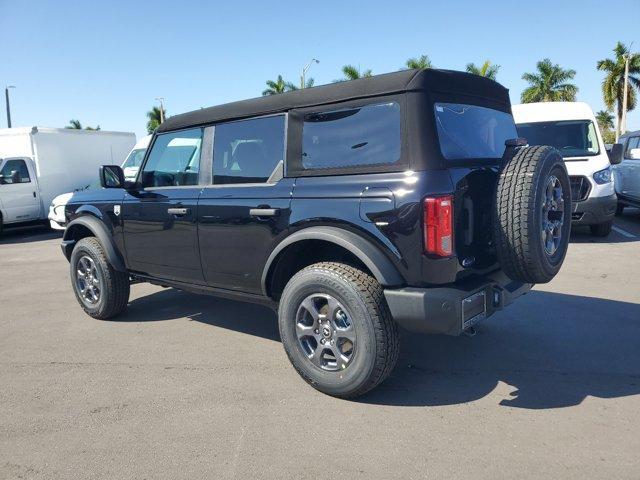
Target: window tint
(368,135)
(469,131)
(634,142)
(248,151)
(14,166)
(573,138)
(174,159)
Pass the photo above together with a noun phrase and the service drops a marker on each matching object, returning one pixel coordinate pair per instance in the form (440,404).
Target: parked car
(627,173)
(571,127)
(38,164)
(130,167)
(353,208)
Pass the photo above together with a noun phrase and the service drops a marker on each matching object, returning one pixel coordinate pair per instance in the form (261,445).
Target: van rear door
(19,190)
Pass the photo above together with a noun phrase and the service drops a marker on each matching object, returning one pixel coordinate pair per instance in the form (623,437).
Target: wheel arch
(88,225)
(350,244)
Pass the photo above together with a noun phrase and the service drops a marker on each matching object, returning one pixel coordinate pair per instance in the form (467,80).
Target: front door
(18,191)
(245,213)
(159,216)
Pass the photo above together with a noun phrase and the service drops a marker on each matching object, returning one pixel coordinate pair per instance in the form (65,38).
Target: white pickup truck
(38,164)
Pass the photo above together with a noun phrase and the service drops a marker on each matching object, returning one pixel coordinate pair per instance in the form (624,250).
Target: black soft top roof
(447,83)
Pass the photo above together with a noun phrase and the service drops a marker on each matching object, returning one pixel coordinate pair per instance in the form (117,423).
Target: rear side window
(472,132)
(174,159)
(6,174)
(248,151)
(352,137)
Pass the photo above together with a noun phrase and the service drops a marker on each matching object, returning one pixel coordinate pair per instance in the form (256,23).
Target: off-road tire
(114,294)
(601,229)
(518,218)
(377,343)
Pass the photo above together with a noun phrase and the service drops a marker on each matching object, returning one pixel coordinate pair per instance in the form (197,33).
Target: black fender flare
(101,232)
(375,260)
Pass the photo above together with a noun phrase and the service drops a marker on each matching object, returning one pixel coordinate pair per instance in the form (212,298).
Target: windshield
(574,138)
(135,158)
(469,131)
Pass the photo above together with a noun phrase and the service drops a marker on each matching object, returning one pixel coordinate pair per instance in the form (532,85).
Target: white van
(571,127)
(130,166)
(37,164)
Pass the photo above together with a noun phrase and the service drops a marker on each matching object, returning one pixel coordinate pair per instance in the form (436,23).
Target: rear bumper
(594,210)
(451,310)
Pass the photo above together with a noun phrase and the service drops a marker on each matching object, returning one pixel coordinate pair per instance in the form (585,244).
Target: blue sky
(105,62)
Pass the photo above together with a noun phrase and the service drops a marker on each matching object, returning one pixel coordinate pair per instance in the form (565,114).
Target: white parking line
(623,232)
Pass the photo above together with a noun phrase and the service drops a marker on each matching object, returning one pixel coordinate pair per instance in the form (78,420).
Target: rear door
(631,171)
(19,191)
(159,217)
(245,212)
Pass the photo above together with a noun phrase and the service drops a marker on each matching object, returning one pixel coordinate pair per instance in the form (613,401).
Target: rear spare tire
(532,214)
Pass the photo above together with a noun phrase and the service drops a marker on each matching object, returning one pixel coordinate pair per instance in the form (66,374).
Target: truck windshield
(470,131)
(574,138)
(135,158)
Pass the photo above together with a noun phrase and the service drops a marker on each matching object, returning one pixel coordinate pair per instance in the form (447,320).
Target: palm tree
(422,62)
(76,125)
(605,120)
(352,73)
(155,118)
(279,86)
(549,84)
(613,83)
(485,70)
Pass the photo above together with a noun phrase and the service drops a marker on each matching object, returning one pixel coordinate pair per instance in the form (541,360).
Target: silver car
(627,173)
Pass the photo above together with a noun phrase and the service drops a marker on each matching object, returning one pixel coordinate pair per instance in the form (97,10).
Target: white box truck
(38,164)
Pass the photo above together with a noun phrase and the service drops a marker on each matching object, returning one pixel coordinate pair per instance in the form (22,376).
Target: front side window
(352,137)
(472,132)
(573,138)
(135,158)
(248,151)
(174,159)
(634,142)
(14,171)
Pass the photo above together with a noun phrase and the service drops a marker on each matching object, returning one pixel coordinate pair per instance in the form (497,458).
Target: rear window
(352,137)
(472,132)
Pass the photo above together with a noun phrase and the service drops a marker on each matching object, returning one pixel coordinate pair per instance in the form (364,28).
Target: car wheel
(532,214)
(601,229)
(101,291)
(336,329)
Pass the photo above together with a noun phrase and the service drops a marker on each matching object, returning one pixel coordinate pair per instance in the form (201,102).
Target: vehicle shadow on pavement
(171,304)
(28,235)
(583,235)
(553,349)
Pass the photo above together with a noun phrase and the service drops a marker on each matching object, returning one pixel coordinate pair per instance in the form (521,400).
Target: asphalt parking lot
(184,386)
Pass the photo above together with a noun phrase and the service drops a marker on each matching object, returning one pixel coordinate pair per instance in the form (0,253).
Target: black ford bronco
(354,208)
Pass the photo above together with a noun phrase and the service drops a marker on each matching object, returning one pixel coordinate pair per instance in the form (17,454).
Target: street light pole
(6,96)
(625,89)
(161,100)
(304,72)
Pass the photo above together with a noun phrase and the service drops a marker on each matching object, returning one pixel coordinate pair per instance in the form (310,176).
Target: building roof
(432,80)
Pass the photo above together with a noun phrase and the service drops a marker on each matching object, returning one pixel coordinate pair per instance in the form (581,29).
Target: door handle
(178,211)
(264,212)
(34,194)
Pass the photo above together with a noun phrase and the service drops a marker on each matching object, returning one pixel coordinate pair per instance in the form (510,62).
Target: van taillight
(438,225)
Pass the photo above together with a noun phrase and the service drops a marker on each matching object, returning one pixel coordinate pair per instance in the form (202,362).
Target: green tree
(279,86)
(549,84)
(155,118)
(422,62)
(76,125)
(605,120)
(613,83)
(485,70)
(351,72)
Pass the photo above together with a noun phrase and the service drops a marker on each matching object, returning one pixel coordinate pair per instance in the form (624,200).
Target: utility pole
(303,82)
(6,96)
(625,91)
(161,100)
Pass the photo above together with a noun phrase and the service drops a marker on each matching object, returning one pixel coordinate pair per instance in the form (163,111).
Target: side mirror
(111,176)
(615,154)
(16,177)
(634,154)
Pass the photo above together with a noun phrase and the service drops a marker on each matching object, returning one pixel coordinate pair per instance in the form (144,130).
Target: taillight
(438,225)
